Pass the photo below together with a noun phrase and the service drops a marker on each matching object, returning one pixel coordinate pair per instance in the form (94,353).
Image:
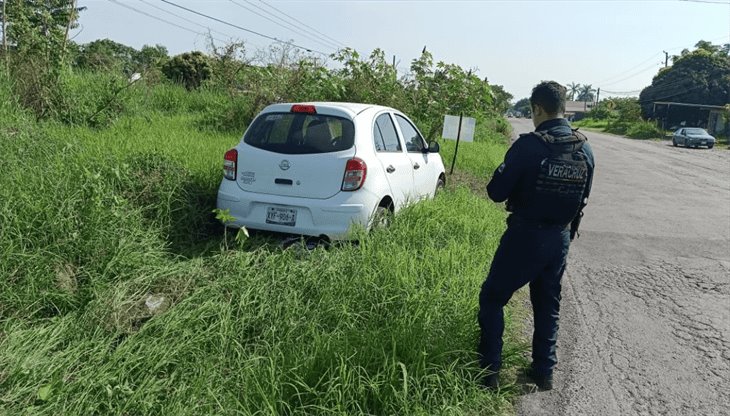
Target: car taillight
(302,108)
(230,160)
(355,172)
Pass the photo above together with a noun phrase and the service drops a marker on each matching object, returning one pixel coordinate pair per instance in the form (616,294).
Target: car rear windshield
(297,133)
(696,131)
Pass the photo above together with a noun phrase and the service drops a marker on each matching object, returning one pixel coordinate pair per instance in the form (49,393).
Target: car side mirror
(433,147)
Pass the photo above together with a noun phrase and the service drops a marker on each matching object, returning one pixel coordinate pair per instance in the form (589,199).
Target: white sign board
(451,128)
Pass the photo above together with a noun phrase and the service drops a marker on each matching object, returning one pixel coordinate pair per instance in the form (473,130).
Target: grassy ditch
(96,223)
(640,130)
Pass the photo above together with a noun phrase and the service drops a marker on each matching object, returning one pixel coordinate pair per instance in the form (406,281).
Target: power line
(126,6)
(630,69)
(707,1)
(244,29)
(186,19)
(288,27)
(294,19)
(297,26)
(602,83)
(640,72)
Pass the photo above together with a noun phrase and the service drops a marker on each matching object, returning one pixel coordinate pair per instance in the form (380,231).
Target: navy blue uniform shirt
(515,179)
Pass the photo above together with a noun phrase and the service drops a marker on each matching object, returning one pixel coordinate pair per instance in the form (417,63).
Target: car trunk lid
(296,154)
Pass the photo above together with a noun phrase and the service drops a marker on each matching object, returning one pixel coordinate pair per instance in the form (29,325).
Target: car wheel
(382,218)
(440,185)
(674,142)
(709,146)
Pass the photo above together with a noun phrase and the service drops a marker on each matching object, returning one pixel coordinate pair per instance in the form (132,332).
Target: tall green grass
(95,221)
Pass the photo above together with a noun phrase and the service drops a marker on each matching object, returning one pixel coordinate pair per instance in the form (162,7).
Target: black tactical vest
(563,175)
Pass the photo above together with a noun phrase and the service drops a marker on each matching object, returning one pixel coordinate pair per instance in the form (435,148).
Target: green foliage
(501,99)
(108,56)
(586,93)
(369,81)
(700,77)
(434,91)
(92,99)
(600,111)
(98,223)
(643,130)
(38,31)
(573,90)
(617,109)
(189,69)
(523,106)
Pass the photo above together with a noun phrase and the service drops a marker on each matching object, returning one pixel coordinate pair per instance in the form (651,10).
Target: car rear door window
(296,133)
(384,131)
(413,139)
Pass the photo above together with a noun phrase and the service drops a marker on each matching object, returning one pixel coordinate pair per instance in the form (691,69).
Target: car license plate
(281,216)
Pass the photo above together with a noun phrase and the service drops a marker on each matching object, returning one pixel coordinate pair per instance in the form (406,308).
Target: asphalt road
(645,319)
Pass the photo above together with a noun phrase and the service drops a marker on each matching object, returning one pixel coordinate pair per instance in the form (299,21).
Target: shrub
(617,127)
(189,69)
(643,130)
(228,114)
(95,99)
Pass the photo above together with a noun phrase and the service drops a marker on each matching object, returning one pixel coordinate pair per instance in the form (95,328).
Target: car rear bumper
(700,142)
(332,217)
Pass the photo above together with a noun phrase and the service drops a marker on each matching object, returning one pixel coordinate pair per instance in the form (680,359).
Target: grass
(640,130)
(97,222)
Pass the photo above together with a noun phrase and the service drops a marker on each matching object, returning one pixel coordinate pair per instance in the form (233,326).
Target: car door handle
(390,169)
(416,166)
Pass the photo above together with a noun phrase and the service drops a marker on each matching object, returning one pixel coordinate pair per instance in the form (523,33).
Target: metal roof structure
(701,106)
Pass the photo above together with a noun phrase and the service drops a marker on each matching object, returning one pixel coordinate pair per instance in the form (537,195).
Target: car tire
(710,146)
(382,218)
(674,143)
(440,185)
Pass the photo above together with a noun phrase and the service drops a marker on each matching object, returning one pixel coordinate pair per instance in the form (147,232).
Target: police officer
(546,180)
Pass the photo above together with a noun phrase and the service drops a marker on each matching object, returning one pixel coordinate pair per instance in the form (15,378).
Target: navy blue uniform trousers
(533,254)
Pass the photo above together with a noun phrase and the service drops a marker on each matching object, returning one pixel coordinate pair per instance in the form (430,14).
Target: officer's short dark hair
(550,96)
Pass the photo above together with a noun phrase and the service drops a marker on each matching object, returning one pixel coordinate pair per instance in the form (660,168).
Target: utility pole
(666,59)
(598,96)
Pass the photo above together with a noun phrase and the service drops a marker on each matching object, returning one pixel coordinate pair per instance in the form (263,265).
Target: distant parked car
(693,136)
(316,169)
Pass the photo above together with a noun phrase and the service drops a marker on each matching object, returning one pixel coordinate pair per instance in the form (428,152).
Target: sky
(616,45)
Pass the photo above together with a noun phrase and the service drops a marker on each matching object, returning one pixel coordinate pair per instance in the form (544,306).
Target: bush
(228,114)
(644,130)
(617,127)
(189,69)
(96,99)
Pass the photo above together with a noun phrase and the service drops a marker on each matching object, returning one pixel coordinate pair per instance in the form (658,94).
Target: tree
(189,68)
(573,89)
(586,93)
(107,55)
(37,32)
(151,57)
(437,90)
(523,106)
(501,98)
(698,77)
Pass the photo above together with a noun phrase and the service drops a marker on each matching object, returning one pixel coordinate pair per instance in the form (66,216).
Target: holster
(574,225)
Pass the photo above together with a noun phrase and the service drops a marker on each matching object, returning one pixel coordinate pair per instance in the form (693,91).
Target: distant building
(670,115)
(576,110)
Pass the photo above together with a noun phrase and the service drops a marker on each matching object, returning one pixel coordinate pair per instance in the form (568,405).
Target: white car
(317,168)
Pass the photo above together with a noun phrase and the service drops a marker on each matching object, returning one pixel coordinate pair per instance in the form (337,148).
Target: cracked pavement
(645,319)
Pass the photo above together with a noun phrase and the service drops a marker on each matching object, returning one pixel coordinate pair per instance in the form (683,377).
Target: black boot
(491,381)
(544,382)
